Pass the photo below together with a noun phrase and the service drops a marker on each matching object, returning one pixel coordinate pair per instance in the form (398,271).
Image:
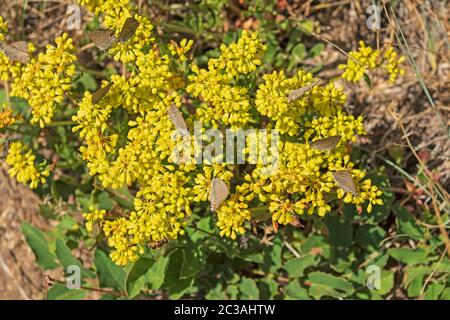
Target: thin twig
(437,212)
(113,292)
(291,249)
(433,272)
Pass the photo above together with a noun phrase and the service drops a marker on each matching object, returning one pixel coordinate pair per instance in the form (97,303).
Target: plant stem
(116,293)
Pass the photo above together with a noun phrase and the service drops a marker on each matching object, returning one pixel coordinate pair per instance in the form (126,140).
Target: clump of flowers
(366,59)
(3,29)
(392,63)
(94,217)
(7,117)
(22,166)
(8,69)
(128,136)
(46,79)
(180,50)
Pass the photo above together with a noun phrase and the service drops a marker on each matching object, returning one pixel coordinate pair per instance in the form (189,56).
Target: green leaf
(316,50)
(105,202)
(294,38)
(88,81)
(252,255)
(369,237)
(296,267)
(295,291)
(47,212)
(60,292)
(271,52)
(272,256)
(109,274)
(193,260)
(318,244)
(446,294)
(396,152)
(216,293)
(268,288)
(249,289)
(408,256)
(433,291)
(156,273)
(307,26)
(172,276)
(415,287)
(36,240)
(386,283)
(406,223)
(298,52)
(340,232)
(324,284)
(233,292)
(66,258)
(180,288)
(136,278)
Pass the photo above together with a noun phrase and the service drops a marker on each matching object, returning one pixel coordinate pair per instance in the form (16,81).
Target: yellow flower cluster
(242,57)
(8,69)
(367,58)
(96,216)
(302,183)
(359,62)
(162,201)
(127,135)
(223,101)
(391,64)
(21,162)
(7,117)
(272,100)
(115,13)
(3,29)
(232,215)
(132,49)
(304,180)
(179,50)
(46,79)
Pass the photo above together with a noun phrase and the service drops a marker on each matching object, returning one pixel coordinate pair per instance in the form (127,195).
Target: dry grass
(20,278)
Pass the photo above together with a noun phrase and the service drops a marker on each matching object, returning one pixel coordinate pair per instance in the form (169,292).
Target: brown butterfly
(5,148)
(104,38)
(326,144)
(345,181)
(177,119)
(16,51)
(297,93)
(158,244)
(129,28)
(100,93)
(219,192)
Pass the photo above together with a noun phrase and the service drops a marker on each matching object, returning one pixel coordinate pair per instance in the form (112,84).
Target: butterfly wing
(326,144)
(102,38)
(177,119)
(297,93)
(129,28)
(5,148)
(219,192)
(100,93)
(17,51)
(345,181)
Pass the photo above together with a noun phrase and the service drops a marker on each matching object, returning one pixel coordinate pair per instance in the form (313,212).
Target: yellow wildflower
(21,162)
